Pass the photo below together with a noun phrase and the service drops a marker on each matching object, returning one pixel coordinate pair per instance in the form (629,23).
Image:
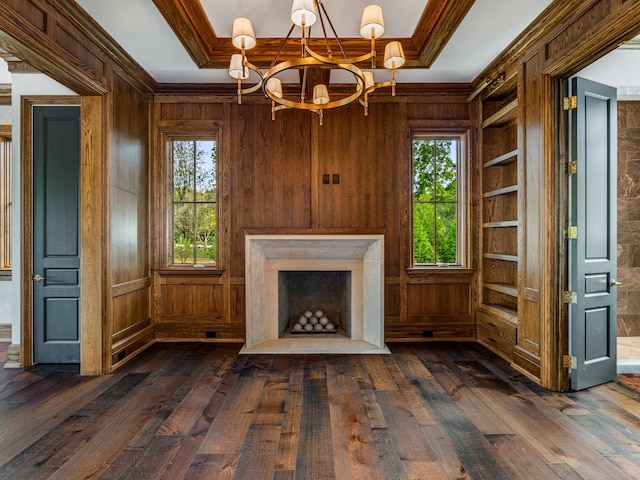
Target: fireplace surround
(268,255)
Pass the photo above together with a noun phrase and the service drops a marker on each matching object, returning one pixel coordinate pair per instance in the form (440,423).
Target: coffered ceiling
(188,41)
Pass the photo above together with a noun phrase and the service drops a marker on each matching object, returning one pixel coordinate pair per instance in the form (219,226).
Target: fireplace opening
(321,297)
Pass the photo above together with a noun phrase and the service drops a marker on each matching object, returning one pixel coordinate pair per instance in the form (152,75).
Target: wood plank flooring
(428,411)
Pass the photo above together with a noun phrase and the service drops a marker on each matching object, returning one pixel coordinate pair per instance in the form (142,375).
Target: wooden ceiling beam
(439,21)
(189,22)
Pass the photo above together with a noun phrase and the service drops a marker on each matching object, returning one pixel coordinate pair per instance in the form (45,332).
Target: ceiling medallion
(304,14)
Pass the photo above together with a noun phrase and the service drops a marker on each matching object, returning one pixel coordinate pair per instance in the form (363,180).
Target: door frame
(26,172)
(557,77)
(92,338)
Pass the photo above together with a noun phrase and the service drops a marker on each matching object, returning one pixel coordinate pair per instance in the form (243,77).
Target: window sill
(212,271)
(435,270)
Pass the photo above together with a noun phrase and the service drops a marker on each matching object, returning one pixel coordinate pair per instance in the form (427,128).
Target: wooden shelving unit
(504,115)
(501,256)
(498,310)
(503,288)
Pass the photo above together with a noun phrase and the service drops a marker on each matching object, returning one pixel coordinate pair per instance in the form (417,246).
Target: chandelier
(304,14)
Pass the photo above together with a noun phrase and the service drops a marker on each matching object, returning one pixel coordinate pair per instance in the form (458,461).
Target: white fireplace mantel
(362,255)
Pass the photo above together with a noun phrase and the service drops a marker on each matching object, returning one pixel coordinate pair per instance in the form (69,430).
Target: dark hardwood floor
(428,411)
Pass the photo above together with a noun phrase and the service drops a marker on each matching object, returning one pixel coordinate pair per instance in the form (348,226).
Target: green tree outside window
(195,216)
(435,200)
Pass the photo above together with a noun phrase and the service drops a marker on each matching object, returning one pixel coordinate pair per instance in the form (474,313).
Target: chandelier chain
(275,59)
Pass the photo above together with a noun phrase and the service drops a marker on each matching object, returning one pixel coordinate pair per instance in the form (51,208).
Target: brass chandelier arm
(331,61)
(258,85)
(389,83)
(314,60)
(286,107)
(311,61)
(371,88)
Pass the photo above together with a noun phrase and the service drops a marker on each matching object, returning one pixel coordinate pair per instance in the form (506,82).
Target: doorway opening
(621,69)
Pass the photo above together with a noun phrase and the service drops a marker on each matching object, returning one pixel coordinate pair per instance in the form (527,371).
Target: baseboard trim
(5,332)
(14,356)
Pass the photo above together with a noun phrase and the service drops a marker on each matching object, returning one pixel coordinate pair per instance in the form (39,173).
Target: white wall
(22,84)
(619,68)
(6,113)
(5,76)
(5,110)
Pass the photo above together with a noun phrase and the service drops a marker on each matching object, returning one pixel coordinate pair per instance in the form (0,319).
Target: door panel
(593,254)
(56,254)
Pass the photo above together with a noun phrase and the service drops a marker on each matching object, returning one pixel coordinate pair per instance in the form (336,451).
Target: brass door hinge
(569,103)
(569,361)
(571,233)
(571,168)
(569,297)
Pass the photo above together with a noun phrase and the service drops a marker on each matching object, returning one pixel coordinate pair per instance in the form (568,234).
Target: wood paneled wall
(270,173)
(527,349)
(275,185)
(130,326)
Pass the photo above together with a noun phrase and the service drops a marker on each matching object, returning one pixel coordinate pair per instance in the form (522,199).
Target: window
(5,202)
(436,200)
(195,215)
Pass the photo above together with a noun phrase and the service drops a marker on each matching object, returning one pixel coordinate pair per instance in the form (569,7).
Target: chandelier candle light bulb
(372,26)
(305,13)
(372,23)
(243,36)
(320,94)
(238,71)
(274,85)
(368,83)
(393,58)
(320,97)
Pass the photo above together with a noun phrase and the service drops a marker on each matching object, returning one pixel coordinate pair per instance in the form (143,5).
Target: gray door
(56,246)
(592,259)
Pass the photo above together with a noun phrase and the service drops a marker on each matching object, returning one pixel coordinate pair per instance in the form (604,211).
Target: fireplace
(355,261)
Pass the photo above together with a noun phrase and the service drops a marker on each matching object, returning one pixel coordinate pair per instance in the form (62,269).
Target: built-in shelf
(501,312)
(501,256)
(500,191)
(506,114)
(501,87)
(504,159)
(505,288)
(508,223)
(499,250)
